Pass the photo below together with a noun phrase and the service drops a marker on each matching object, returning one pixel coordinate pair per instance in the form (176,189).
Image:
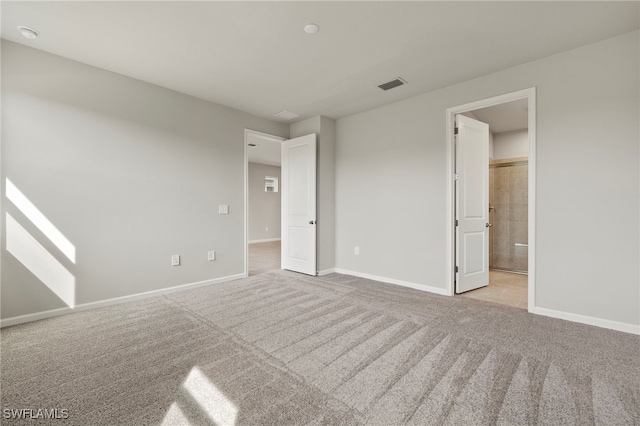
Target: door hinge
(456,222)
(456,269)
(455,130)
(456,177)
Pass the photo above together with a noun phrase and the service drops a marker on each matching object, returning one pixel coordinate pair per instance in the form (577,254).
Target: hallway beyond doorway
(264,257)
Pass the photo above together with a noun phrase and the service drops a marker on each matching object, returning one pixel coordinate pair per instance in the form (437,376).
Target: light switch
(223,209)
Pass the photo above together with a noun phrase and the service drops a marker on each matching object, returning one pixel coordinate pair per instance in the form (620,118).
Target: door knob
(488,225)
(311,222)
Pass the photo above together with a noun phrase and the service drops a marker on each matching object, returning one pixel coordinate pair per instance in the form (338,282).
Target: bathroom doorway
(508,203)
(510,222)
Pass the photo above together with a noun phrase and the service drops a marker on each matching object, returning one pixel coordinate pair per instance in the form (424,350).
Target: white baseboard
(422,287)
(266,240)
(92,305)
(35,317)
(583,319)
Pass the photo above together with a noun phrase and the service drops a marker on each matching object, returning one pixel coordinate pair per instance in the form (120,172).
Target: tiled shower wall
(508,195)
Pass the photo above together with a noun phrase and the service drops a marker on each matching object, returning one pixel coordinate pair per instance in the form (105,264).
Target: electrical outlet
(175,260)
(356,250)
(211,255)
(223,209)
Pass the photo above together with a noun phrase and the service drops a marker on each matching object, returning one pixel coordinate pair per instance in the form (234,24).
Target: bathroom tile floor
(505,288)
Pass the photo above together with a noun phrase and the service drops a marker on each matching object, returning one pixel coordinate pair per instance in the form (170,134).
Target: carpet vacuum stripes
(286,349)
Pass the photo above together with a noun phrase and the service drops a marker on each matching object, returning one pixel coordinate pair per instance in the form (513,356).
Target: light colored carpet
(285,349)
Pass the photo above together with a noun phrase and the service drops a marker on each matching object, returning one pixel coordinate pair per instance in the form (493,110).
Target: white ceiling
(255,56)
(266,150)
(505,117)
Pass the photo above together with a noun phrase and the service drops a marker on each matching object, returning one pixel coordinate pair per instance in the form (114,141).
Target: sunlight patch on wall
(213,402)
(40,220)
(40,262)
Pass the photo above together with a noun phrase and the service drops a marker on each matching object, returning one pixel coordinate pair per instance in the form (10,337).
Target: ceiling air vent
(393,83)
(287,115)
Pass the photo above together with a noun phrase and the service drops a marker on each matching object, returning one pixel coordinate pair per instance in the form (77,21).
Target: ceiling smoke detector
(311,28)
(29,33)
(393,83)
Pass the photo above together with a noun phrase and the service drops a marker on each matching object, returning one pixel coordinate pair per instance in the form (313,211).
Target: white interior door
(299,204)
(472,204)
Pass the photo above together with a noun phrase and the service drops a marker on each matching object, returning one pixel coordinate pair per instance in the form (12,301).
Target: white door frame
(529,94)
(246,191)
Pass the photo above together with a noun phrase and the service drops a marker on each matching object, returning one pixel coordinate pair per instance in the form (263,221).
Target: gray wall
(390,181)
(132,173)
(129,172)
(305,127)
(325,129)
(264,207)
(511,144)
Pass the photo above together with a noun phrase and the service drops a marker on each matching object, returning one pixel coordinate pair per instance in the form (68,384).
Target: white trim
(326,272)
(531,220)
(246,191)
(37,316)
(583,319)
(246,205)
(530,94)
(267,136)
(101,303)
(266,240)
(415,286)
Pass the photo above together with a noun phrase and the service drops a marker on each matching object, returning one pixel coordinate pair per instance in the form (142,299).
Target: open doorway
(507,207)
(263,199)
(505,255)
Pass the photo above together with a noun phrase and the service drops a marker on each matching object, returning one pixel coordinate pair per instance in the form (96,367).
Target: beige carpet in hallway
(264,257)
(286,349)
